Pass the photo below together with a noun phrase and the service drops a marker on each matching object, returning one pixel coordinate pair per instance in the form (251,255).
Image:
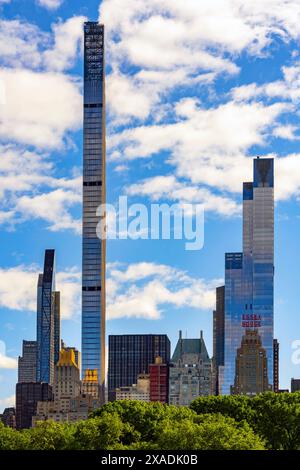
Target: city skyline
(152,286)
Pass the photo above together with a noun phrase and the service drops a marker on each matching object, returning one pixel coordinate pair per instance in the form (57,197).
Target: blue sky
(195,90)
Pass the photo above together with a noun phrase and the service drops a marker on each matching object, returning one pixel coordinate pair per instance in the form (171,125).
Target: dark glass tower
(249,284)
(93,248)
(48,319)
(130,355)
(218,333)
(27,362)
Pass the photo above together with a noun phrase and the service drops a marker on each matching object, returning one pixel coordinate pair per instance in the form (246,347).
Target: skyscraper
(27,362)
(48,316)
(93,248)
(190,373)
(131,355)
(27,397)
(249,279)
(218,334)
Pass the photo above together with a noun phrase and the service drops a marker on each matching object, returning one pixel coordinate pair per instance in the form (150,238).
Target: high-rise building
(27,362)
(249,279)
(27,397)
(159,381)
(190,374)
(295,385)
(218,334)
(67,376)
(48,321)
(139,391)
(275,365)
(93,248)
(251,371)
(131,355)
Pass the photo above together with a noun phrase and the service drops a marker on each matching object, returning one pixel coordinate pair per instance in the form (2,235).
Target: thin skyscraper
(93,249)
(48,321)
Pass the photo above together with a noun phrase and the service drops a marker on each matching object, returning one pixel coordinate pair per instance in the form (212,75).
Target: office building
(27,362)
(275,365)
(131,355)
(93,247)
(249,281)
(48,321)
(251,371)
(218,335)
(90,384)
(139,391)
(76,353)
(190,374)
(295,385)
(27,397)
(159,381)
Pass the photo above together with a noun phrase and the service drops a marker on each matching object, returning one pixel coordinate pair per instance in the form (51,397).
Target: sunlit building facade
(249,278)
(93,249)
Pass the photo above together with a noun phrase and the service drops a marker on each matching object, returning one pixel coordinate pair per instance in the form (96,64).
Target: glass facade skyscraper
(93,249)
(249,279)
(48,316)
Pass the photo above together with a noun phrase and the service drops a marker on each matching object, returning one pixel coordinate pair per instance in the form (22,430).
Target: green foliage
(275,417)
(269,420)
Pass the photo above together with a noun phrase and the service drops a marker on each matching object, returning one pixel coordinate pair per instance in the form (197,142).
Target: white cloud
(50,4)
(142,290)
(206,146)
(39,108)
(5,361)
(29,189)
(167,187)
(172,44)
(286,132)
(68,38)
(24,298)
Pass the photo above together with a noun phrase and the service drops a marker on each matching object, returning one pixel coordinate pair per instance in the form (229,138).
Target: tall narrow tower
(48,320)
(93,248)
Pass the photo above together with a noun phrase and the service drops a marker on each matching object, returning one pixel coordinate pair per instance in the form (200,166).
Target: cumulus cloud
(24,298)
(39,108)
(143,290)
(166,48)
(29,189)
(207,146)
(168,187)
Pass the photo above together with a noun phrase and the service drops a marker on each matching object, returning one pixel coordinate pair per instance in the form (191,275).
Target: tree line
(267,421)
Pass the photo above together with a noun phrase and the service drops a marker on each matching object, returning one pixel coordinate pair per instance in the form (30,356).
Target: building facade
(190,374)
(275,365)
(295,385)
(48,321)
(159,381)
(131,355)
(218,334)
(27,397)
(93,248)
(27,363)
(139,391)
(249,278)
(69,403)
